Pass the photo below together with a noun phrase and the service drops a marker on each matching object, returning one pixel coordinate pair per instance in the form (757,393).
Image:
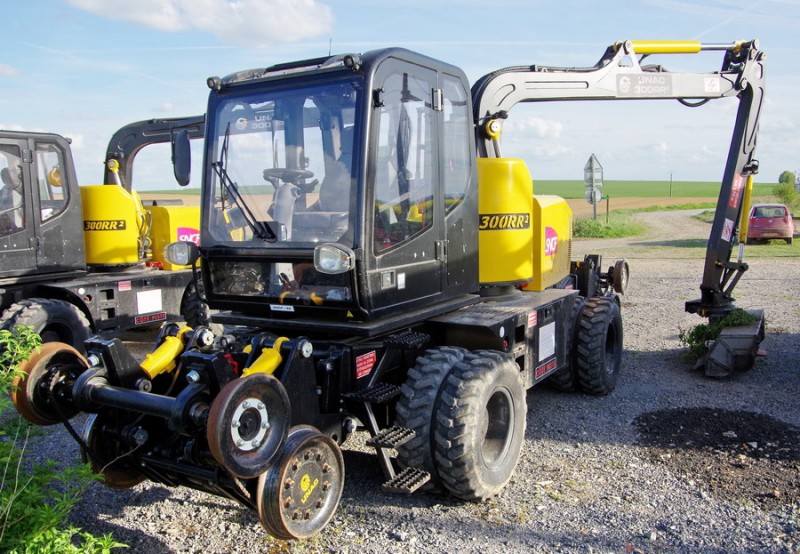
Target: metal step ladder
(383,440)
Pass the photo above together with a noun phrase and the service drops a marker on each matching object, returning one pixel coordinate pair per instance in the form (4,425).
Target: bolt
(287,503)
(193,376)
(246,404)
(256,443)
(261,405)
(288,484)
(296,514)
(326,468)
(235,423)
(307,514)
(325,486)
(319,503)
(265,424)
(306,455)
(239,443)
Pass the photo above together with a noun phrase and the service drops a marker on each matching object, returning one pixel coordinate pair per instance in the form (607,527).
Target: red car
(770,221)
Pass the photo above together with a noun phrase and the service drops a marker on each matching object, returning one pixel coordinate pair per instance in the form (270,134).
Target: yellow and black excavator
(81,260)
(382,267)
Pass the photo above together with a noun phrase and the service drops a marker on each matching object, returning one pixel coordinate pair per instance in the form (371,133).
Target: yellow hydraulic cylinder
(666,46)
(748,193)
(268,361)
(162,359)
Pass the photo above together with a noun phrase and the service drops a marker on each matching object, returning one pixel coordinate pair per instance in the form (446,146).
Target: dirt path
(670,228)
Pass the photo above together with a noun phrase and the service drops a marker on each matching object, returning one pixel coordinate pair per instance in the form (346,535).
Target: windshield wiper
(260,228)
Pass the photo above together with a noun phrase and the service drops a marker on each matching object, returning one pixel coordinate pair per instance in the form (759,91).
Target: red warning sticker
(365,363)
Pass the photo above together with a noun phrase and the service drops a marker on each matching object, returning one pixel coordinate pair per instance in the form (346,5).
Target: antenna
(330,45)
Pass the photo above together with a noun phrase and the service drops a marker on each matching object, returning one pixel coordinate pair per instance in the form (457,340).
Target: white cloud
(252,23)
(8,71)
(542,128)
(660,147)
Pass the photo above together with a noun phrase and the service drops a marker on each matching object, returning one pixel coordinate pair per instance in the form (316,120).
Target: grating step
(407,481)
(391,437)
(408,339)
(376,394)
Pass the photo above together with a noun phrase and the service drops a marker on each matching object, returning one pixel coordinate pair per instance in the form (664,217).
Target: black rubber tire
(566,378)
(789,240)
(194,309)
(415,407)
(53,320)
(480,425)
(598,351)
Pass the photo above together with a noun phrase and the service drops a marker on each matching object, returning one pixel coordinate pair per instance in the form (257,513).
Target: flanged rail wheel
(44,377)
(247,423)
(103,457)
(298,495)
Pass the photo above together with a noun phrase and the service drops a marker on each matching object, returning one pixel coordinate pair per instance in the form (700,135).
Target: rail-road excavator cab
(341,187)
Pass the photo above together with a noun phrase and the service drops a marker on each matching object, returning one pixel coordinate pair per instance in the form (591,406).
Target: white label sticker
(148,301)
(281,308)
(401,281)
(547,341)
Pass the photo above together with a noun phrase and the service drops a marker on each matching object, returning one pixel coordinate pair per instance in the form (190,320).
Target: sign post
(593,179)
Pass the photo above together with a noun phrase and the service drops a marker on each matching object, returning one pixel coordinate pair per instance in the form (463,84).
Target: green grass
(643,189)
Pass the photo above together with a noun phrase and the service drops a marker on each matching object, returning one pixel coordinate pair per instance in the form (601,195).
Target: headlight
(333,259)
(181,253)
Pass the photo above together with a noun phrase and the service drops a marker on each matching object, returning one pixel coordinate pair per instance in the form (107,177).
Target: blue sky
(84,68)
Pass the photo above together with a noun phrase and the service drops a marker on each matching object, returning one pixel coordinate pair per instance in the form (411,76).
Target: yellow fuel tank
(110,225)
(552,241)
(505,206)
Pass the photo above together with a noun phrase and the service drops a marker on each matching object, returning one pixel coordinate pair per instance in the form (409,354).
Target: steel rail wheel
(40,382)
(103,457)
(298,495)
(247,423)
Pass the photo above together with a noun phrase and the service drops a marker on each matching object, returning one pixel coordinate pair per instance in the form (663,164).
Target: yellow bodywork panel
(112,217)
(552,241)
(505,205)
(172,224)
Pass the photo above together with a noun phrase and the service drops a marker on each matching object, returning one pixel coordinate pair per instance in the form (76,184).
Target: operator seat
(334,191)
(11,214)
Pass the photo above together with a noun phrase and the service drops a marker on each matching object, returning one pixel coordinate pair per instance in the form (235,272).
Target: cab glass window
(12,199)
(457,156)
(50,177)
(405,161)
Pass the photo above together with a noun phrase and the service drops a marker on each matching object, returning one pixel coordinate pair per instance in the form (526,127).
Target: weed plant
(35,498)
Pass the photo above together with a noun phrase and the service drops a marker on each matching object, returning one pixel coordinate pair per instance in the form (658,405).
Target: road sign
(593,173)
(593,196)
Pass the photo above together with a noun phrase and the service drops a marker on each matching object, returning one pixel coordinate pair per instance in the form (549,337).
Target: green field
(576,189)
(643,189)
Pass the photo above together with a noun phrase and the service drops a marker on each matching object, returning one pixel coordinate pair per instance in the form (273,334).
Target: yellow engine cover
(110,225)
(552,241)
(505,205)
(171,224)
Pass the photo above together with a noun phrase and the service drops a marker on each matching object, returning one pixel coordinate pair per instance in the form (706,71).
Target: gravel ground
(669,462)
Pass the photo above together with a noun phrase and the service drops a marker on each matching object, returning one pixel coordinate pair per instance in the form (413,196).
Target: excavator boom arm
(620,74)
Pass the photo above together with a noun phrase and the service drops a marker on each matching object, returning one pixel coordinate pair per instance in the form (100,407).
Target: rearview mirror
(181,157)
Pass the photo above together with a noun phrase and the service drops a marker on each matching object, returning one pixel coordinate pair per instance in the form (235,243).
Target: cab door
(17,230)
(405,241)
(58,216)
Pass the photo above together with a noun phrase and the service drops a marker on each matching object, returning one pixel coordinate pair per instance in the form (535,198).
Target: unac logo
(189,234)
(550,241)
